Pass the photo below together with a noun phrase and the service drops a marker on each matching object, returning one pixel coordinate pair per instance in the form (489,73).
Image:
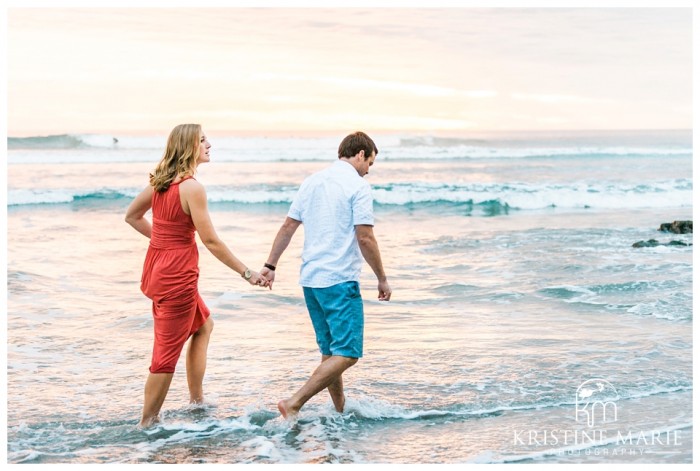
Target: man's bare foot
(287,412)
(339,405)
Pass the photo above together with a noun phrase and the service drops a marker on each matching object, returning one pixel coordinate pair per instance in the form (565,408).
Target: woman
(170,271)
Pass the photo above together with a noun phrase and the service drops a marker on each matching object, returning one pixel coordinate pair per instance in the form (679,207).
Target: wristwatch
(246,274)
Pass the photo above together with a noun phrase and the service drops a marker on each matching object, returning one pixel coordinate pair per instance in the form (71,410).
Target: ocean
(523,326)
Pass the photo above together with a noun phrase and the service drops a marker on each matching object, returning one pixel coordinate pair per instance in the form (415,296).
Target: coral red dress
(170,276)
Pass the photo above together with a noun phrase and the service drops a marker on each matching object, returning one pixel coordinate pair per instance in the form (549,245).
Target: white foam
(263,446)
(371,408)
(20,197)
(64,195)
(576,195)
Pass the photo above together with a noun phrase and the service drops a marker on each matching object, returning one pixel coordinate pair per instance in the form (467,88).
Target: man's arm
(370,251)
(284,236)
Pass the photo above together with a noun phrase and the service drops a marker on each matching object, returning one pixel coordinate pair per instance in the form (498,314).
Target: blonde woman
(171,272)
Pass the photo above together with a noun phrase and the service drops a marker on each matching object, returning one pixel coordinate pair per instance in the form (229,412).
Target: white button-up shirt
(330,203)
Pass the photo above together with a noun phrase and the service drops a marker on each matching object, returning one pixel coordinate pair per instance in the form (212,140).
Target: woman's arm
(195,201)
(138,208)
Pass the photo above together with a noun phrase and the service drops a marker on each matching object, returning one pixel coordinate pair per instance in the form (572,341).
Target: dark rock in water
(648,243)
(656,243)
(678,243)
(677,227)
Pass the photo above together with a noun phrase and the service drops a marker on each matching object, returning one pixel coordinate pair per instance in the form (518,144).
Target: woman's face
(203,148)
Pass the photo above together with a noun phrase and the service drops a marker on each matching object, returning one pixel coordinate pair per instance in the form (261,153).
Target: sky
(314,70)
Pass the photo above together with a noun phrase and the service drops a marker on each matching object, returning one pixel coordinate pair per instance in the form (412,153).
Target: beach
(515,283)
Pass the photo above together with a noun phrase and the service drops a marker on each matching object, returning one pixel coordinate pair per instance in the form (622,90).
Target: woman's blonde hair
(180,156)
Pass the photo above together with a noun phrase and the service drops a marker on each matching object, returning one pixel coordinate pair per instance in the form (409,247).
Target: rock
(648,243)
(656,243)
(677,227)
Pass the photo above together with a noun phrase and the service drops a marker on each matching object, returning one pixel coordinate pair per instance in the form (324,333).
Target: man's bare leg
(327,373)
(197,361)
(335,389)
(156,389)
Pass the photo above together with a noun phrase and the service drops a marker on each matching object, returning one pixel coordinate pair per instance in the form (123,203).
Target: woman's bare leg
(197,361)
(156,389)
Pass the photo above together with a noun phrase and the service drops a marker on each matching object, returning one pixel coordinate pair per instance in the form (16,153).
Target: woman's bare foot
(149,422)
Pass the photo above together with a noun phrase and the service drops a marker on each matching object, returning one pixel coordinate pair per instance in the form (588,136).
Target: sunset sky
(272,70)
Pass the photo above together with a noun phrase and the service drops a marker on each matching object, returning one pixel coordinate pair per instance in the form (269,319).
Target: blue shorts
(338,318)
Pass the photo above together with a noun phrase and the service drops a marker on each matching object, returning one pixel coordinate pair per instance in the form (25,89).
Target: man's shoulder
(360,185)
(338,174)
(311,180)
(347,174)
(319,176)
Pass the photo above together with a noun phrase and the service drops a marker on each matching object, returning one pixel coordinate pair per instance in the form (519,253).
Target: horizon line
(318,133)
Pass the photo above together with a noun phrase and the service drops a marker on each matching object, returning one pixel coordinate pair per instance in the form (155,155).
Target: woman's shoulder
(189,185)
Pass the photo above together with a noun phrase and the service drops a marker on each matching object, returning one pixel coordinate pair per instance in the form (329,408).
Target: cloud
(432,67)
(557,99)
(419,89)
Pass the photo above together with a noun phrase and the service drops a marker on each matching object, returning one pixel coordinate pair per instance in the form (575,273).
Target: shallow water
(499,314)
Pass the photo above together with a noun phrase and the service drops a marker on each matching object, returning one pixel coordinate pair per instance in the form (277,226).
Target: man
(335,206)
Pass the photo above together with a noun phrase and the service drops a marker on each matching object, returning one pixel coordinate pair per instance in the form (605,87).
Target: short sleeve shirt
(330,203)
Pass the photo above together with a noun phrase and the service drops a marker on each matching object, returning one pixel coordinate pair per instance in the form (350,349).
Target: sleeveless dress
(169,279)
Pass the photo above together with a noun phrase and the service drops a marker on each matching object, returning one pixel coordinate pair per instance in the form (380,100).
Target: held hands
(268,275)
(258,280)
(266,278)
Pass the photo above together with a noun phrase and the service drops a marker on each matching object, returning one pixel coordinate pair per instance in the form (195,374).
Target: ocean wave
(117,148)
(369,408)
(62,141)
(258,433)
(677,307)
(490,199)
(158,142)
(517,195)
(657,299)
(61,195)
(479,152)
